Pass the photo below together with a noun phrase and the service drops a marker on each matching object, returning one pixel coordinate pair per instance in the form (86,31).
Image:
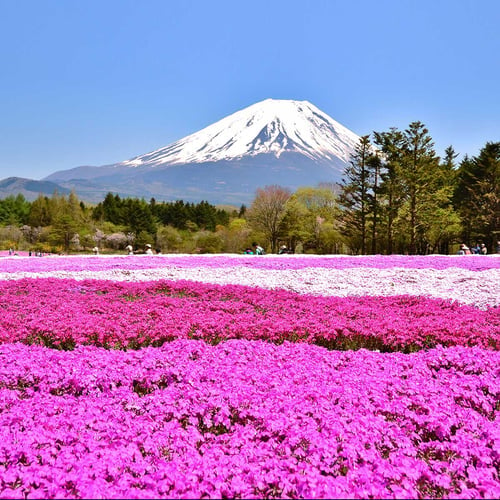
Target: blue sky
(91,82)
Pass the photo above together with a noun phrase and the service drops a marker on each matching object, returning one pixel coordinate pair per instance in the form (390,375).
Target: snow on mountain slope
(271,126)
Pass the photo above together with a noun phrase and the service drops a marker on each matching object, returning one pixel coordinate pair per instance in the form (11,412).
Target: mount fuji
(285,142)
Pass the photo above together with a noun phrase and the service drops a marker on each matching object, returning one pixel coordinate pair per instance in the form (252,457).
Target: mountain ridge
(29,188)
(270,126)
(275,141)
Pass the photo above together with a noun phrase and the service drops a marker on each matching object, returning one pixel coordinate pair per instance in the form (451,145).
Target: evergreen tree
(63,230)
(14,210)
(477,195)
(420,177)
(374,166)
(449,167)
(355,193)
(40,215)
(136,215)
(390,192)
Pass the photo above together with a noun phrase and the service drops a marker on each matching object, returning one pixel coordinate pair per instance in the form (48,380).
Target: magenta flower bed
(248,419)
(161,383)
(269,262)
(62,313)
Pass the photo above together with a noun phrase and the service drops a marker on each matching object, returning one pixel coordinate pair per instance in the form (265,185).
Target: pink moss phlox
(248,419)
(269,262)
(63,313)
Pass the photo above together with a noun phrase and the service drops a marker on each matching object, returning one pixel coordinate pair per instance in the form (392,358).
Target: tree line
(397,196)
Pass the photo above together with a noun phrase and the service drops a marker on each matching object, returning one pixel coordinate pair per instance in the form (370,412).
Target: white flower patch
(478,288)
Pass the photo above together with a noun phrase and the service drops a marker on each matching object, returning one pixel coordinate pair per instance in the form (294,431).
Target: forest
(397,196)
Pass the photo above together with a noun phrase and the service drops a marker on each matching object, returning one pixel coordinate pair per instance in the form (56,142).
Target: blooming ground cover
(469,280)
(64,313)
(237,376)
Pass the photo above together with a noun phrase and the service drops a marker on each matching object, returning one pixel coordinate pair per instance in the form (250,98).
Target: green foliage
(40,214)
(267,213)
(169,239)
(308,211)
(397,196)
(355,197)
(63,230)
(177,214)
(142,239)
(477,195)
(208,242)
(14,210)
(238,235)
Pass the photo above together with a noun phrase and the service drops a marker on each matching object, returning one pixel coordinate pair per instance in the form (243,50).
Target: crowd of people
(479,249)
(256,249)
(148,250)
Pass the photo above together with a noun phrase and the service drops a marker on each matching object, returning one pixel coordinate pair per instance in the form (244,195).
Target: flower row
(467,287)
(64,313)
(266,262)
(248,419)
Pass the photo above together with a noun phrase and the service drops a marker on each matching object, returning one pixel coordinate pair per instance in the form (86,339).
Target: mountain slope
(285,142)
(271,126)
(29,188)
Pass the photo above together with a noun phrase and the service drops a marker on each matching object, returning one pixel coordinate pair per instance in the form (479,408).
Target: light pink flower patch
(473,281)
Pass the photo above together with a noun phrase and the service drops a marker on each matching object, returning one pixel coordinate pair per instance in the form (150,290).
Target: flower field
(250,377)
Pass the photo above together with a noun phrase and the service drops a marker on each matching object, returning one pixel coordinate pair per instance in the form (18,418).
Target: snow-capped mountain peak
(272,126)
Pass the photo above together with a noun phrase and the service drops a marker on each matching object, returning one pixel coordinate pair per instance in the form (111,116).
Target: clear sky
(93,82)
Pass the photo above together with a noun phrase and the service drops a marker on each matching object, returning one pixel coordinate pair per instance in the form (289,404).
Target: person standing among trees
(283,250)
(258,249)
(464,250)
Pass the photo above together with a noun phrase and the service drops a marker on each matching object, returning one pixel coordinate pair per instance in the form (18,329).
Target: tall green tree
(63,231)
(311,208)
(420,177)
(477,195)
(14,210)
(67,219)
(40,214)
(390,192)
(137,216)
(354,197)
(375,167)
(297,225)
(415,193)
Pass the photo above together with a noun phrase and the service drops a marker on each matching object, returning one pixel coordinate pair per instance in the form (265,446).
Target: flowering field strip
(248,419)
(477,286)
(270,262)
(198,376)
(63,313)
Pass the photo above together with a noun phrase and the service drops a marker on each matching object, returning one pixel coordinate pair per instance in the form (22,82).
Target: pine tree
(477,195)
(420,174)
(390,192)
(375,167)
(355,193)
